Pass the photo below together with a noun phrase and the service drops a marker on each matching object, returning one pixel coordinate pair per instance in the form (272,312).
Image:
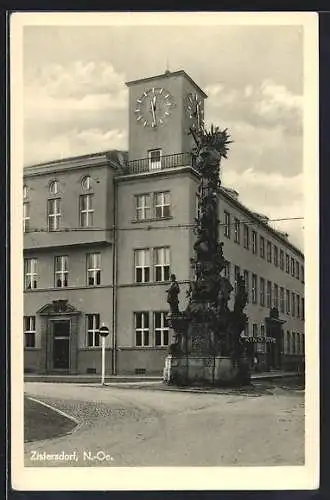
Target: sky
(76,101)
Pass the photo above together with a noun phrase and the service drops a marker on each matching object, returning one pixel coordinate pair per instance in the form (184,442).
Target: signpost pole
(103,360)
(104,332)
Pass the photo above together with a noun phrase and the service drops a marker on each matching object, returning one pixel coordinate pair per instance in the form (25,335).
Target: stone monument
(207,347)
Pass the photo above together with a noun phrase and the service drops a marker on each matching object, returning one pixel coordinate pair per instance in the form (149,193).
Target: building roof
(262,220)
(168,74)
(116,158)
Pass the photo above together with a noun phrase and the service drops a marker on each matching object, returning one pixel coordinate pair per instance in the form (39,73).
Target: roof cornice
(260,222)
(168,74)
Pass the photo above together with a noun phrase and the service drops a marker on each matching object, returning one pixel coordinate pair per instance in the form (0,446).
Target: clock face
(194,110)
(154,107)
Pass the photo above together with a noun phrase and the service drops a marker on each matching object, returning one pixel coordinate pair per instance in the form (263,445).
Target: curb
(50,407)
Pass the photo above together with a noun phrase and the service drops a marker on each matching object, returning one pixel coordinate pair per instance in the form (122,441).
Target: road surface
(120,426)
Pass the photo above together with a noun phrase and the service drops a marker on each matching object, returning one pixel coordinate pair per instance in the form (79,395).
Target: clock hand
(153,110)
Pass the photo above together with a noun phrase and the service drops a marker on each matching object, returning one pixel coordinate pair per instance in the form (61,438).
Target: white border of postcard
(170,478)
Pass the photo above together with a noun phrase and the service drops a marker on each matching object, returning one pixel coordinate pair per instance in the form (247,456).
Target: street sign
(104,331)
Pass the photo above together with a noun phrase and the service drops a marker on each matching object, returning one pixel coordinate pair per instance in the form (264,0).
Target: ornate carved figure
(172,295)
(241,296)
(207,315)
(225,290)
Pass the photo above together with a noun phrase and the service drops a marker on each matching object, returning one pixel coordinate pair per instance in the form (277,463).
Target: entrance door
(155,162)
(61,344)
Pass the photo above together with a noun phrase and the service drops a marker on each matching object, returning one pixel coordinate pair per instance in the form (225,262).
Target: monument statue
(207,348)
(172,295)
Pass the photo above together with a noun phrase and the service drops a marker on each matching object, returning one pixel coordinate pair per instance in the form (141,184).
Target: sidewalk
(94,379)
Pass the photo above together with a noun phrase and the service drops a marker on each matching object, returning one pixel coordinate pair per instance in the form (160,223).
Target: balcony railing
(162,163)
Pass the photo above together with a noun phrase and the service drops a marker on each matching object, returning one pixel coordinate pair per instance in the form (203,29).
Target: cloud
(78,79)
(57,90)
(267,105)
(261,147)
(74,143)
(74,109)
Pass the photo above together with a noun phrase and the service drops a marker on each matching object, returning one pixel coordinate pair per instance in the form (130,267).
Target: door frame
(53,320)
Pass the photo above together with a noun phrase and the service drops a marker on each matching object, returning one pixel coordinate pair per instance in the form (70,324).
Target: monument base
(206,370)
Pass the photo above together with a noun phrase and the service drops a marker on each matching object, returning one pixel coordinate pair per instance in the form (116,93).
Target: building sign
(259,340)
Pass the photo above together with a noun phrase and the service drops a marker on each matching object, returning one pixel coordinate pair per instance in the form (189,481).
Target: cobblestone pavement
(145,426)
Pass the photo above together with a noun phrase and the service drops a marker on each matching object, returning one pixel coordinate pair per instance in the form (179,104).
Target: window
(254,330)
(93,269)
(86,183)
(227,224)
(282,299)
(297,270)
(54,214)
(54,188)
(61,271)
(262,291)
(293,343)
(26,217)
(155,159)
(275,256)
(287,263)
(293,303)
(298,343)
(269,294)
(254,242)
(282,260)
(287,301)
(29,331)
(269,251)
(93,330)
(30,273)
(141,329)
(302,273)
(246,236)
(227,270)
(142,265)
(303,343)
(143,207)
(254,288)
(262,330)
(237,272)
(246,282)
(25,192)
(86,210)
(292,266)
(237,229)
(161,329)
(262,247)
(162,263)
(275,295)
(298,305)
(162,205)
(288,342)
(302,308)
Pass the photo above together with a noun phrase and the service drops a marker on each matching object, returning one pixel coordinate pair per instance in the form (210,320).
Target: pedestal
(206,370)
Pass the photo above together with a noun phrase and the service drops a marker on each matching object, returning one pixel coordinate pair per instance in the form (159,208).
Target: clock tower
(162,110)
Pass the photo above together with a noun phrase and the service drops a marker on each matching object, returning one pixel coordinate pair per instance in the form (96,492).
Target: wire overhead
(149,227)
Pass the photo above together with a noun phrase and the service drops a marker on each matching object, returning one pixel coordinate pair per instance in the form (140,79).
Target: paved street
(127,426)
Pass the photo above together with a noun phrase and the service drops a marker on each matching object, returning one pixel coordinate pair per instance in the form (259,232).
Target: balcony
(154,164)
